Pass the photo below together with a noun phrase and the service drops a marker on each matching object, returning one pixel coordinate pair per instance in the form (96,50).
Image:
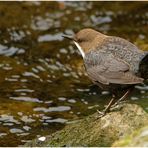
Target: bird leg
(123,97)
(107,107)
(112,104)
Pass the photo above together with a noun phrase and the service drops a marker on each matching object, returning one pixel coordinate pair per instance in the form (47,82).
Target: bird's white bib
(80,49)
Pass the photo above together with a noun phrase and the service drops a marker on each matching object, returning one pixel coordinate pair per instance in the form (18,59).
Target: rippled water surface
(43,84)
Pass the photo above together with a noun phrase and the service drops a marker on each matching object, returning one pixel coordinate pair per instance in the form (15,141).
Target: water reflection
(52,109)
(49,37)
(28,99)
(58,120)
(8,119)
(144,87)
(43,83)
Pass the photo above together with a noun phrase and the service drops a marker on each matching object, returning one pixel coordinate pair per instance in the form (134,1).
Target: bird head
(86,39)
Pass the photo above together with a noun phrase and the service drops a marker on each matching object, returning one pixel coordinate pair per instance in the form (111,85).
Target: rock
(138,138)
(93,131)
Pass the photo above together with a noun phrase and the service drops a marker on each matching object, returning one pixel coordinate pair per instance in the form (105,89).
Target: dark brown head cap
(88,39)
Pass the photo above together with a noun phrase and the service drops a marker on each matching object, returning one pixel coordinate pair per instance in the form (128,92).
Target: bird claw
(101,114)
(117,104)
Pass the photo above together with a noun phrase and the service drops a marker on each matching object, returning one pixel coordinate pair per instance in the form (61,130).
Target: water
(43,84)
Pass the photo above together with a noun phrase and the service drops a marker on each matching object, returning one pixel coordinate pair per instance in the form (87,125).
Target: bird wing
(105,68)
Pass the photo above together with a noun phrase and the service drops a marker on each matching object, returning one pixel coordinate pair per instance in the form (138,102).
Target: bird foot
(101,114)
(117,106)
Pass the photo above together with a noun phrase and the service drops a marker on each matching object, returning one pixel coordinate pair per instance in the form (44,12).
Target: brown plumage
(111,62)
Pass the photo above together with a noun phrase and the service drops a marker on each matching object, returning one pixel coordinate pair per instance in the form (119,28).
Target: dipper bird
(111,62)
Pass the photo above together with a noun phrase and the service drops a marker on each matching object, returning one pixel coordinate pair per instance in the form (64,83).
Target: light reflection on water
(28,99)
(4,50)
(49,37)
(43,84)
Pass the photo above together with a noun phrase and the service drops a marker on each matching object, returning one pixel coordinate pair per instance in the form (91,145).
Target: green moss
(92,131)
(136,138)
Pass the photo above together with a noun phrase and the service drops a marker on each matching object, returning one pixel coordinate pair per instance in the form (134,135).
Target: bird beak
(70,37)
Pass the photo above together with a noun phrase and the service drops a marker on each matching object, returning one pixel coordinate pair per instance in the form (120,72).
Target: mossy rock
(93,131)
(138,138)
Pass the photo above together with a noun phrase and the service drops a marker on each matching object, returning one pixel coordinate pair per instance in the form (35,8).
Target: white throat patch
(80,49)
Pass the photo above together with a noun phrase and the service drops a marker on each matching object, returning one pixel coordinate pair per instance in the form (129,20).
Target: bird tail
(143,66)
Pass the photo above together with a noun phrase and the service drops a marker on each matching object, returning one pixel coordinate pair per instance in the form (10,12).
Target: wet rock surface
(138,138)
(93,131)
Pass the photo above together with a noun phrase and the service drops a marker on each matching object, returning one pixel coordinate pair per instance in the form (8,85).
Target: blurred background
(43,84)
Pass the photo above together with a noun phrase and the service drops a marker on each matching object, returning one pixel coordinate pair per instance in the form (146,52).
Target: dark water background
(42,81)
